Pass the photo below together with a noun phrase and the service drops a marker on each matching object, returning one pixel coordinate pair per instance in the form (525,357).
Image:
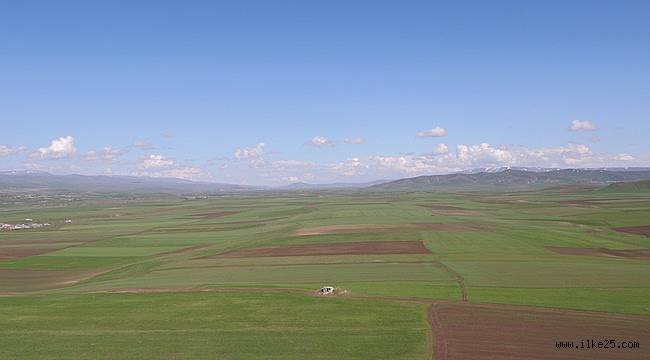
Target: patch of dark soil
(641,254)
(478,332)
(639,230)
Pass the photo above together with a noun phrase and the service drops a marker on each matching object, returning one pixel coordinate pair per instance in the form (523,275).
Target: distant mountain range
(495,179)
(632,186)
(338,185)
(43,181)
(515,179)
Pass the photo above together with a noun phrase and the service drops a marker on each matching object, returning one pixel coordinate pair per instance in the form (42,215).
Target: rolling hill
(514,179)
(631,187)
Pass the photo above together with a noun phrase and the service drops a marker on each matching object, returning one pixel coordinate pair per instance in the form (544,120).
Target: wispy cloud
(354,141)
(108,153)
(321,141)
(143,144)
(156,162)
(582,125)
(435,132)
(10,150)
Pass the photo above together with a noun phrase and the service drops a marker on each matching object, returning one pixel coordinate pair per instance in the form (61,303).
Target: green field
(145,279)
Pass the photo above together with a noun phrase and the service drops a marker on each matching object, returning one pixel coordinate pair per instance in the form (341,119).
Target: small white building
(326,290)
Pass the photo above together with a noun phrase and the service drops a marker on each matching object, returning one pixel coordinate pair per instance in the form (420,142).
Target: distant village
(27,224)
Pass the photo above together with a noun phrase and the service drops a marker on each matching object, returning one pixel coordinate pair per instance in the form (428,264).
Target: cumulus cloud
(250,153)
(354,141)
(444,159)
(582,125)
(156,162)
(105,154)
(161,166)
(468,156)
(442,149)
(435,132)
(320,141)
(59,148)
(254,155)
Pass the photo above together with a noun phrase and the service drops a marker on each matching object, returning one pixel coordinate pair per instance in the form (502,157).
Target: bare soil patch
(642,254)
(19,280)
(639,230)
(7,253)
(358,248)
(477,332)
(356,228)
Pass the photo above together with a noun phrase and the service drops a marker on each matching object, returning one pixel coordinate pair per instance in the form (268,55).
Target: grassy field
(146,278)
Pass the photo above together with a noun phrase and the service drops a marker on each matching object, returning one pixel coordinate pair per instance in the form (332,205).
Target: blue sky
(262,92)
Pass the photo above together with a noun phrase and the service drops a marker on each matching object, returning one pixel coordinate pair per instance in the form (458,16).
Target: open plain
(417,275)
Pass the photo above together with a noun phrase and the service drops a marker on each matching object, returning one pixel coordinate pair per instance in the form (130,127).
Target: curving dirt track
(481,332)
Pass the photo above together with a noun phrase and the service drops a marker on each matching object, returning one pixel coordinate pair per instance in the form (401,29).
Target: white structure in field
(326,290)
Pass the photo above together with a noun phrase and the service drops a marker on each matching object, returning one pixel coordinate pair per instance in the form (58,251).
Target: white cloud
(464,156)
(187,173)
(468,156)
(193,173)
(10,150)
(156,162)
(162,166)
(350,167)
(624,157)
(582,125)
(254,155)
(59,148)
(106,154)
(482,153)
(250,153)
(292,164)
(442,149)
(435,132)
(354,141)
(321,141)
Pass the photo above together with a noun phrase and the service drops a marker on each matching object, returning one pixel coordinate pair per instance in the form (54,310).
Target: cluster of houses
(28,224)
